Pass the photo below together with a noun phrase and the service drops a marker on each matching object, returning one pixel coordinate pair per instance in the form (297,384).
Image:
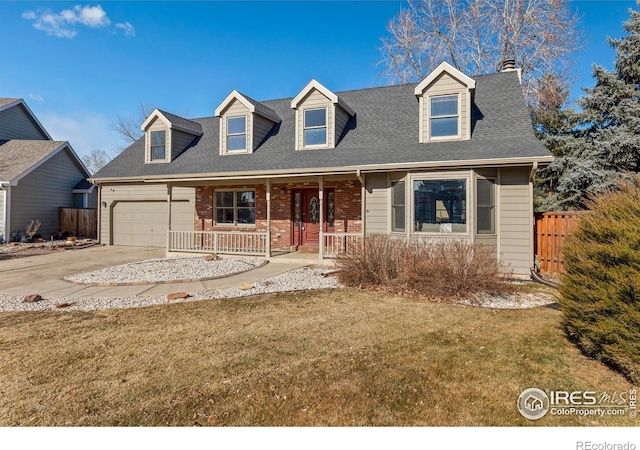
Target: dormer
(321,117)
(445,98)
(167,135)
(244,123)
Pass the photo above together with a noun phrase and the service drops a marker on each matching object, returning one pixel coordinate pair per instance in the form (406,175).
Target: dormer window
(237,134)
(158,145)
(315,127)
(445,99)
(244,123)
(444,116)
(321,117)
(167,135)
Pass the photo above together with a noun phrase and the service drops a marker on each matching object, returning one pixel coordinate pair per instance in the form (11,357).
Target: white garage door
(144,224)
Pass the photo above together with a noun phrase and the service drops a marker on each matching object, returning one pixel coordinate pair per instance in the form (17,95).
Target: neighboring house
(450,157)
(37,175)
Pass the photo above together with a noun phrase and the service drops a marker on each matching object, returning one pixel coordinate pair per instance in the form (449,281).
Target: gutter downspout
(532,250)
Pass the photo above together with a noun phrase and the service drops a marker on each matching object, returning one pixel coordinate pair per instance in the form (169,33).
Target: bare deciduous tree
(129,126)
(476,36)
(96,160)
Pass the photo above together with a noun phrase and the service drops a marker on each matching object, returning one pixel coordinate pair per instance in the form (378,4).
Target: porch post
(321,198)
(268,243)
(7,213)
(99,215)
(169,201)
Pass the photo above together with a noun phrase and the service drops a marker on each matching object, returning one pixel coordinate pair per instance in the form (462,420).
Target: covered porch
(312,217)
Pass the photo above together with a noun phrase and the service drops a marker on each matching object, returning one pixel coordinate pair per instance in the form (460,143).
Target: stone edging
(147,283)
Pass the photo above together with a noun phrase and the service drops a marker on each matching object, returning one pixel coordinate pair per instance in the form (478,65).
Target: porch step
(309,249)
(309,259)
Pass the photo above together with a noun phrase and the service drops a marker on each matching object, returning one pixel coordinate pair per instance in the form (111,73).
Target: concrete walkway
(43,274)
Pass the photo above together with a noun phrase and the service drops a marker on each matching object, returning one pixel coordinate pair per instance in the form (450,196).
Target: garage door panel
(144,224)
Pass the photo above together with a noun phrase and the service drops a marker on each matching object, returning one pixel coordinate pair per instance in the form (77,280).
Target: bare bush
(441,268)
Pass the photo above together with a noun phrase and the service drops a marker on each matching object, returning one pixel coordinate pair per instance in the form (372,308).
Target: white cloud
(91,16)
(64,23)
(37,98)
(85,132)
(127,28)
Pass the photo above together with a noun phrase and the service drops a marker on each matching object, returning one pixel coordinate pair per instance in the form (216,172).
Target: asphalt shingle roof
(5,101)
(183,123)
(261,109)
(384,131)
(17,156)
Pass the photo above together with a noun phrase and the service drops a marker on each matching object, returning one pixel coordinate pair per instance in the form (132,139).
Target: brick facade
(348,209)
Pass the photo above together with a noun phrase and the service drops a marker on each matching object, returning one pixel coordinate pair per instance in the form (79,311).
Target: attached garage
(144,223)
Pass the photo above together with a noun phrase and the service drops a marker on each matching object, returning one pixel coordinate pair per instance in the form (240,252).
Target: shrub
(442,268)
(600,291)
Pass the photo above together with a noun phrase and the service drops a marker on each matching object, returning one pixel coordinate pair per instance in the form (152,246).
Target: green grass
(342,357)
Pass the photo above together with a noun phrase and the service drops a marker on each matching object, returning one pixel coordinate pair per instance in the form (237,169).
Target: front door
(306,217)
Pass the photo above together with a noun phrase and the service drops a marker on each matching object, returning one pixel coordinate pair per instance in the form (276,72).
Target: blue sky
(81,64)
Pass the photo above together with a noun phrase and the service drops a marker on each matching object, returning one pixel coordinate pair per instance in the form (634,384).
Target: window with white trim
(440,206)
(235,207)
(398,205)
(485,206)
(158,146)
(236,134)
(315,127)
(444,116)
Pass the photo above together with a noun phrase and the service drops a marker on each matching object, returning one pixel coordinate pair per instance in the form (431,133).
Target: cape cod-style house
(450,157)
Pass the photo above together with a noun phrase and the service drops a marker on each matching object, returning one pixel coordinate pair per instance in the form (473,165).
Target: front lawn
(335,357)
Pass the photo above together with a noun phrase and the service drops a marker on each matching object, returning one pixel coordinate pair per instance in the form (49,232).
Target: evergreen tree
(603,144)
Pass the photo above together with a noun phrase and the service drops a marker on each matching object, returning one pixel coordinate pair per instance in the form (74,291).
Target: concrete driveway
(43,274)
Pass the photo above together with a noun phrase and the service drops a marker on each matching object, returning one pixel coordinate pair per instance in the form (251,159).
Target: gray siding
(179,141)
(93,198)
(16,123)
(39,194)
(2,216)
(516,220)
(377,203)
(261,128)
(112,194)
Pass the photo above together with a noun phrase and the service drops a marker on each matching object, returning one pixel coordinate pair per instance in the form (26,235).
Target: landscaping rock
(177,295)
(212,257)
(34,298)
(245,287)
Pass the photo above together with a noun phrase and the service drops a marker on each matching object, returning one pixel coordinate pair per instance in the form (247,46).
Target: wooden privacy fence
(551,230)
(80,222)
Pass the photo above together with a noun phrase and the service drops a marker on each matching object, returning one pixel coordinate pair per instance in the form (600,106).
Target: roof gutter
(316,171)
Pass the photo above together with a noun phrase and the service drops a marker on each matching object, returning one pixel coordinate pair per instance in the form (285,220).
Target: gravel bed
(168,269)
(294,280)
(511,301)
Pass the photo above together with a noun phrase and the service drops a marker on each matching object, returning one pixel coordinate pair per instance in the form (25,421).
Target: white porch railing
(336,244)
(225,242)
